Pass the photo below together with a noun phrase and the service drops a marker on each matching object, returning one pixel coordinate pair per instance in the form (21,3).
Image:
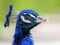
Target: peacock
(25,21)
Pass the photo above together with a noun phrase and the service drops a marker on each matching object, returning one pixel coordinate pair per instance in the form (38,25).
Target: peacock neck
(25,32)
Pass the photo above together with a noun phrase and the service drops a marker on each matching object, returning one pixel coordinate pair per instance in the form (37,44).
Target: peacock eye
(27,16)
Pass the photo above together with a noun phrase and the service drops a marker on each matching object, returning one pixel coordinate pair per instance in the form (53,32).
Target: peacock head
(31,19)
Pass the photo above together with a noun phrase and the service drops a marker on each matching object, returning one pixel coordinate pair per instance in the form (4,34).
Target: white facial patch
(39,17)
(23,19)
(32,16)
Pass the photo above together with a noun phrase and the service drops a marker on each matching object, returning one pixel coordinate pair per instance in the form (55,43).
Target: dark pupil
(27,16)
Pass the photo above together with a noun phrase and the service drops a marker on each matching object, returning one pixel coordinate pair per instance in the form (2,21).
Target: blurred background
(44,34)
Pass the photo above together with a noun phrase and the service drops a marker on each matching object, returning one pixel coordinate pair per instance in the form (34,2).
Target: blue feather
(22,31)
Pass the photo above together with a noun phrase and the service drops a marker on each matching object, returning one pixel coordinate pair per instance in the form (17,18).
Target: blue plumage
(8,16)
(22,32)
(26,20)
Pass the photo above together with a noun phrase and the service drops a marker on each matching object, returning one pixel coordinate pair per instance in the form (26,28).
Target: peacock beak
(40,19)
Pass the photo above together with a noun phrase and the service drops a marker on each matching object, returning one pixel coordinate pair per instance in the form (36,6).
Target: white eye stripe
(39,17)
(32,16)
(26,21)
